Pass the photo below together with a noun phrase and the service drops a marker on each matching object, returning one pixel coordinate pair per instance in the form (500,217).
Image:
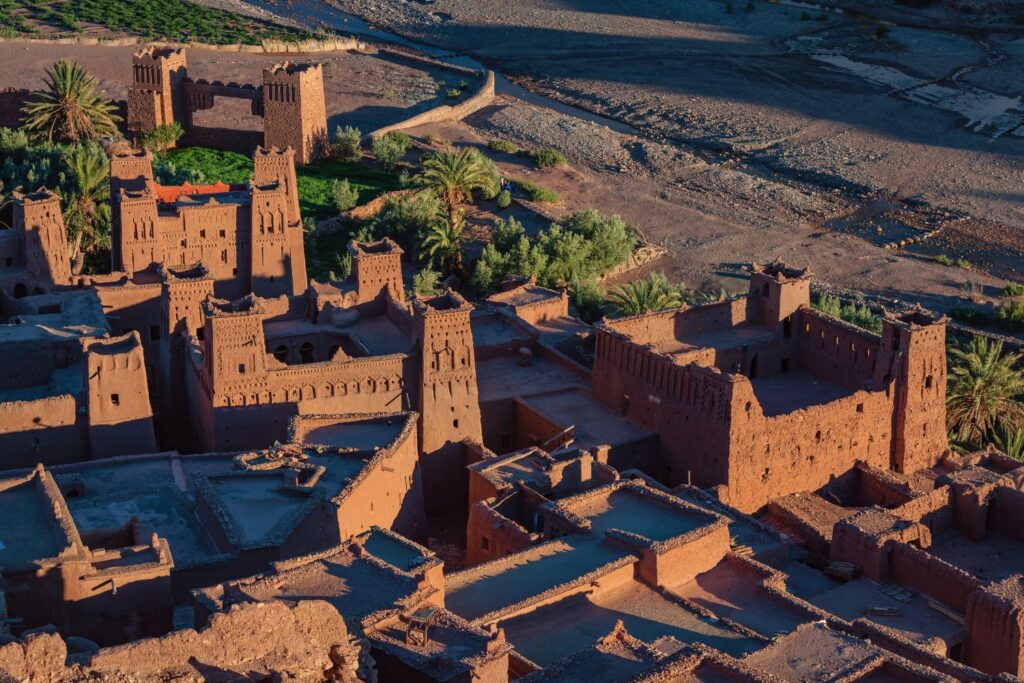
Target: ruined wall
(835,350)
(490,535)
(933,509)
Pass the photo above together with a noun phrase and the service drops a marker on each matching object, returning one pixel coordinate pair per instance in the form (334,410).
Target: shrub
(944,260)
(548,158)
(453,93)
(537,193)
(504,199)
(426,282)
(390,147)
(503,146)
(1013,289)
(963,263)
(643,296)
(345,196)
(405,218)
(348,143)
(970,316)
(587,298)
(163,137)
(856,313)
(1010,316)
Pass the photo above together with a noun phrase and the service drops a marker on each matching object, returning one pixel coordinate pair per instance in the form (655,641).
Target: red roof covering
(170,193)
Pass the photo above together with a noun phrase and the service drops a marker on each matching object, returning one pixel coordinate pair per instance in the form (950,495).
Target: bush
(1013,289)
(390,147)
(856,313)
(404,218)
(537,193)
(548,158)
(426,283)
(971,316)
(453,94)
(963,263)
(504,199)
(345,196)
(1010,316)
(503,146)
(162,138)
(588,300)
(943,260)
(348,143)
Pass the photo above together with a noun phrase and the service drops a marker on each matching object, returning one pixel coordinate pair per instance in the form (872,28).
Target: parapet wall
(921,571)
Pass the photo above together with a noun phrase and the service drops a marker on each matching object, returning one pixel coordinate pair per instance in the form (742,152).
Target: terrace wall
(923,572)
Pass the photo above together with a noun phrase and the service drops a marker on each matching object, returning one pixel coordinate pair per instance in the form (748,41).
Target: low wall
(446,112)
(923,572)
(1010,512)
(267,47)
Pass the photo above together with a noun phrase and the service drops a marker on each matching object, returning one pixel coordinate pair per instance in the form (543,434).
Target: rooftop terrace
(29,532)
(595,424)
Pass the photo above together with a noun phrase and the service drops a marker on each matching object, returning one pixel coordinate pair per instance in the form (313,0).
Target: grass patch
(174,20)
(1013,289)
(537,193)
(315,181)
(503,146)
(548,158)
(214,165)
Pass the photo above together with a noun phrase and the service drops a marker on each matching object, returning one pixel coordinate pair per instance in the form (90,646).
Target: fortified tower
(183,291)
(39,225)
(449,406)
(294,111)
(278,262)
(915,344)
(132,172)
(155,97)
(233,347)
(120,417)
(375,267)
(781,292)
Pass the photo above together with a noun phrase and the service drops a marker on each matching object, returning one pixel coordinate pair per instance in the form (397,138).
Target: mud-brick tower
(183,291)
(132,172)
(155,97)
(294,112)
(376,266)
(449,406)
(39,225)
(120,417)
(914,355)
(278,263)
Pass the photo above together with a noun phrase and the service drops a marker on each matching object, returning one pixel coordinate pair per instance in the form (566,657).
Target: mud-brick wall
(802,450)
(923,572)
(835,351)
(389,494)
(45,431)
(995,633)
(11,102)
(934,510)
(1009,512)
(501,535)
(684,562)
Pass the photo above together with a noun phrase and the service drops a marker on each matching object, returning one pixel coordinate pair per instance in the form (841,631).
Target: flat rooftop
(595,424)
(355,587)
(747,334)
(790,391)
(812,653)
(916,620)
(557,631)
(994,558)
(630,510)
(734,594)
(503,378)
(29,531)
(494,329)
(378,335)
(362,434)
(529,466)
(54,317)
(489,587)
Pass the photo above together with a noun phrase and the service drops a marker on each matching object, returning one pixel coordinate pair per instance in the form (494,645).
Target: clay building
(34,256)
(290,100)
(763,395)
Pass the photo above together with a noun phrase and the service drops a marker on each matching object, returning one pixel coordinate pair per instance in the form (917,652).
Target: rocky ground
(765,132)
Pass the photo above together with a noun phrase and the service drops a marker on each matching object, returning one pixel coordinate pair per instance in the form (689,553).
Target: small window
(184,243)
(115,399)
(234,271)
(455,424)
(224,256)
(241,368)
(200,333)
(485,543)
(860,407)
(222,234)
(202,234)
(154,333)
(928,382)
(787,327)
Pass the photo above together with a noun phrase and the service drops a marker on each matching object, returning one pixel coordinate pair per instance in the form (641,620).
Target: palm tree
(88,191)
(1010,441)
(982,390)
(454,174)
(653,294)
(72,107)
(442,242)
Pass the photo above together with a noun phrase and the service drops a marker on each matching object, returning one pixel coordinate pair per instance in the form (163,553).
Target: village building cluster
(213,466)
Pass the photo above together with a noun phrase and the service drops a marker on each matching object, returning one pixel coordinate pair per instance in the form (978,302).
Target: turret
(40,227)
(376,266)
(120,416)
(294,111)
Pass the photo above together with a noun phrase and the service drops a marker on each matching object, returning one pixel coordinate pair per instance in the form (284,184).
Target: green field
(174,20)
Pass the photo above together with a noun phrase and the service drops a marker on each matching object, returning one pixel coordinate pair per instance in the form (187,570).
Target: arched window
(306,353)
(281,353)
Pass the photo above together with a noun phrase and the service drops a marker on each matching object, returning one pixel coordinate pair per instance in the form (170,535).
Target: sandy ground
(761,134)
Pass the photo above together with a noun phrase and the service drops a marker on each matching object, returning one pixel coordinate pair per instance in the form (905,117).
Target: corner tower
(39,225)
(155,96)
(375,267)
(914,354)
(449,405)
(120,416)
(294,112)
